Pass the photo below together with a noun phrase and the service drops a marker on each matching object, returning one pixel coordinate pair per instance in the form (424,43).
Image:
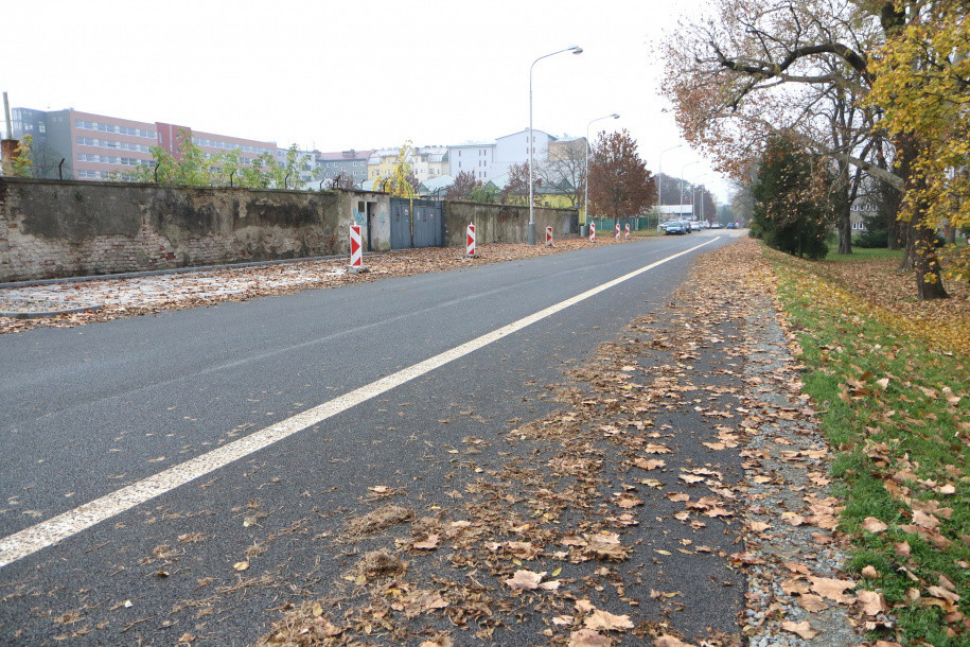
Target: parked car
(697,225)
(717,225)
(676,227)
(731,225)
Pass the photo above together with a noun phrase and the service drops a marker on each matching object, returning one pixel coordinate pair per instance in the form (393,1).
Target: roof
(534,130)
(479,144)
(352,154)
(439,182)
(499,181)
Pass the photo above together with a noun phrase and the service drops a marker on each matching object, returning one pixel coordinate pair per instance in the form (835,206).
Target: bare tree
(465,183)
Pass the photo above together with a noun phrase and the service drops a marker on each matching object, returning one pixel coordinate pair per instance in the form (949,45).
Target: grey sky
(336,75)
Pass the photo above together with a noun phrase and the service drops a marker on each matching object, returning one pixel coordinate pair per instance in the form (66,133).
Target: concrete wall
(500,223)
(51,229)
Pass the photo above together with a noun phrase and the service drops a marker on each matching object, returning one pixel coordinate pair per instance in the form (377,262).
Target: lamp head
(576,49)
(615,116)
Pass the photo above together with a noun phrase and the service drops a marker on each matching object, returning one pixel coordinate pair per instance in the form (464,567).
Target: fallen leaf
(831,588)
(873,525)
(802,629)
(871,603)
(524,581)
(588,638)
(628,501)
(606,621)
(812,603)
(870,572)
(670,641)
(428,544)
(241,566)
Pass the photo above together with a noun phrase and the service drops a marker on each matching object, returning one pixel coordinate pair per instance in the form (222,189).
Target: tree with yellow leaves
(922,83)
(402,183)
(764,68)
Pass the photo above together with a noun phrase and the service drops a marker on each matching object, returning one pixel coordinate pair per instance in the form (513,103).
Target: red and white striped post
(548,236)
(470,241)
(628,231)
(617,231)
(356,253)
(592,232)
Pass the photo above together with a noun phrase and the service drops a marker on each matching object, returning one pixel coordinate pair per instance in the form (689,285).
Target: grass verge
(896,408)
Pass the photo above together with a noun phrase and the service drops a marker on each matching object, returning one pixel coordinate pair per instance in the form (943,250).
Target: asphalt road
(87,411)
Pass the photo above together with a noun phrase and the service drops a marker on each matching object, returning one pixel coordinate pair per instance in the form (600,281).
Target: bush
(872,239)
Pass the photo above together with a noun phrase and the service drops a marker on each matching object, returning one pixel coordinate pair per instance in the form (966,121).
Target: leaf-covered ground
(697,486)
(685,456)
(145,295)
(891,293)
(891,379)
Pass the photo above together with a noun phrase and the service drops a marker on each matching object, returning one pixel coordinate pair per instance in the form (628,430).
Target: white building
(472,157)
(514,149)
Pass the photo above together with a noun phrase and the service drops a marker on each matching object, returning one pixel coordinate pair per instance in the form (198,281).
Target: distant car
(731,225)
(696,225)
(672,228)
(717,225)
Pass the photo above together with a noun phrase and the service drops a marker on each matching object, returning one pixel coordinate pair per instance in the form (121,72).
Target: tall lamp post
(586,165)
(693,195)
(660,178)
(575,49)
(682,169)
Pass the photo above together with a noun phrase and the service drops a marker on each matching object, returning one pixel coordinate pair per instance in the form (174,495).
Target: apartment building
(426,162)
(515,149)
(346,164)
(99,147)
(472,157)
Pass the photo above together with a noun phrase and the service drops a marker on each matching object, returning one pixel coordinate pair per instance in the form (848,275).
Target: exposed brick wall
(51,229)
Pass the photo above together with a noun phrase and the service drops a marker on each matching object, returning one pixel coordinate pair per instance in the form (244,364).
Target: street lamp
(682,168)
(575,49)
(586,169)
(693,195)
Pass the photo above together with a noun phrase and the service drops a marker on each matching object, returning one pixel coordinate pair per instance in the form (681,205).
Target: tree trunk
(845,232)
(929,281)
(908,242)
(920,235)
(894,233)
(843,205)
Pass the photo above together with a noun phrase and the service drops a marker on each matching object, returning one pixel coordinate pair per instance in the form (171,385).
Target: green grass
(863,254)
(904,430)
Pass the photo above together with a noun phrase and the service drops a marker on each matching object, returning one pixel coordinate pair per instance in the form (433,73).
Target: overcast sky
(353,74)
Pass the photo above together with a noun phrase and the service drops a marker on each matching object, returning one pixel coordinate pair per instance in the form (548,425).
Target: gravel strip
(791,518)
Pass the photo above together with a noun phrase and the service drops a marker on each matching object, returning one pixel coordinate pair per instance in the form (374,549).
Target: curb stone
(32,309)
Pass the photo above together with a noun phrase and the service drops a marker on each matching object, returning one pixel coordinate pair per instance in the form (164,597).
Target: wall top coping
(147,185)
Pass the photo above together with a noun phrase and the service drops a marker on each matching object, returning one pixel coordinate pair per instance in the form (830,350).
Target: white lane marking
(57,529)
